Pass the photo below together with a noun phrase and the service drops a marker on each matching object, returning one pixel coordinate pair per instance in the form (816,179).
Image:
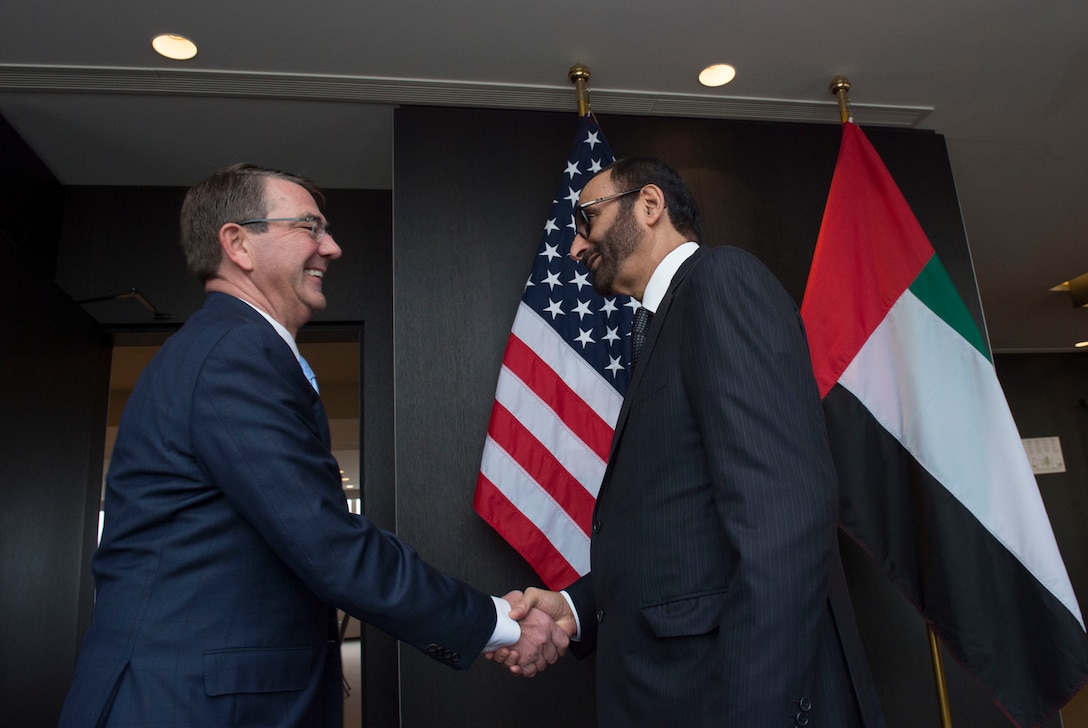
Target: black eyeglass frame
(580,212)
(318,227)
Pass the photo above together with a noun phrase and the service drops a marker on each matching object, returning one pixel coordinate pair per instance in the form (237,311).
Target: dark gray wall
(473,190)
(54,375)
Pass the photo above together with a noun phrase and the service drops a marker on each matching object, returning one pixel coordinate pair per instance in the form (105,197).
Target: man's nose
(578,247)
(329,248)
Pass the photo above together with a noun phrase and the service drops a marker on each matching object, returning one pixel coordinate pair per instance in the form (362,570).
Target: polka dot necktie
(639,327)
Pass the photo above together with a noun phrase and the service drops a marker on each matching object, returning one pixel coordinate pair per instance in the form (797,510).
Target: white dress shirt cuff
(577,622)
(507,631)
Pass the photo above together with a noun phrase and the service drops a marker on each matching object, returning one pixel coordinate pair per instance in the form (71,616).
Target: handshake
(547,625)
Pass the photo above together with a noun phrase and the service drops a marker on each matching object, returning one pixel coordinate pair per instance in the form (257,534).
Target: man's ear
(237,245)
(651,204)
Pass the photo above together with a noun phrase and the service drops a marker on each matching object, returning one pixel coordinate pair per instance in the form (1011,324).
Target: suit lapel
(322,422)
(660,316)
(230,303)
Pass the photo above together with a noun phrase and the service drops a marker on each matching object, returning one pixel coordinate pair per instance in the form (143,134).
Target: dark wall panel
(54,376)
(30,202)
(473,189)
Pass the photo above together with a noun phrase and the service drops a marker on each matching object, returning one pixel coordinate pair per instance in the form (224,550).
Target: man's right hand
(555,606)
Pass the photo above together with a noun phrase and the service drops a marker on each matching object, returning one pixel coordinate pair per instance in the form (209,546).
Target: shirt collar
(663,274)
(280,329)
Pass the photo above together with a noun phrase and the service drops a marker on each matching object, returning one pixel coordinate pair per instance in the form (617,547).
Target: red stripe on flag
(869,250)
(522,534)
(512,436)
(579,417)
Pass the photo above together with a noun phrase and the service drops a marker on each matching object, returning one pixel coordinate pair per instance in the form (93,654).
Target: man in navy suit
(228,544)
(716,596)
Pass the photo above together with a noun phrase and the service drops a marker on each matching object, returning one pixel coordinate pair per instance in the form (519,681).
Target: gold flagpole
(839,86)
(938,677)
(579,75)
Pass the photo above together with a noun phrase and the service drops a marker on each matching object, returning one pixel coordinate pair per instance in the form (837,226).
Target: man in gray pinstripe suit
(716,596)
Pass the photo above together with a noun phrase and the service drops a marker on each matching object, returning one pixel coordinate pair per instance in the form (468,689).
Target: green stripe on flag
(935,289)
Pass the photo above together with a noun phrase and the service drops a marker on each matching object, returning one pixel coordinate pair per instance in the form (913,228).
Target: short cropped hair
(230,195)
(637,172)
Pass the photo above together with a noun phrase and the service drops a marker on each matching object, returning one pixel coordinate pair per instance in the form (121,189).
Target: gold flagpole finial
(839,86)
(579,75)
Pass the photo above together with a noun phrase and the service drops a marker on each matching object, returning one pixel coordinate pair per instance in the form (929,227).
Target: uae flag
(559,393)
(934,480)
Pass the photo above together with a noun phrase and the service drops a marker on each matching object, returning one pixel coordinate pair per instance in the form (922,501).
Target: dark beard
(616,245)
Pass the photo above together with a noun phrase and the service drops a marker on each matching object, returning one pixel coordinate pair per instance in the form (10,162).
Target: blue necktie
(309,373)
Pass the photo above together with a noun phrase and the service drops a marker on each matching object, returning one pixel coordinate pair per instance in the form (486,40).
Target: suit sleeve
(747,370)
(258,433)
(581,594)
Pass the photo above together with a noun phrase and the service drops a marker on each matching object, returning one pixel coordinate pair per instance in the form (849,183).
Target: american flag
(559,392)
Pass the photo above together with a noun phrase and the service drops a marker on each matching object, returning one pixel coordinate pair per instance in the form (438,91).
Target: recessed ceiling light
(1081,344)
(174,47)
(717,75)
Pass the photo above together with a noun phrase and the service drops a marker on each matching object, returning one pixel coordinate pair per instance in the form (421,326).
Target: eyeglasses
(581,220)
(317,225)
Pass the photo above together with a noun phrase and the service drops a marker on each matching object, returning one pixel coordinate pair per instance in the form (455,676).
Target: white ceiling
(1005,81)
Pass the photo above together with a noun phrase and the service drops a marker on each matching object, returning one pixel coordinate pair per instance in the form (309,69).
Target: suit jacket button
(448,654)
(802,719)
(596,526)
(456,657)
(805,704)
(600,616)
(432,648)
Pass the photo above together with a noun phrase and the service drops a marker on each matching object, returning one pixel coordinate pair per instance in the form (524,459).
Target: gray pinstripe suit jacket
(714,535)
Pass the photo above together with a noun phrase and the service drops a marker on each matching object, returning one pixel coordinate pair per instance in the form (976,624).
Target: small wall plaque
(1044,454)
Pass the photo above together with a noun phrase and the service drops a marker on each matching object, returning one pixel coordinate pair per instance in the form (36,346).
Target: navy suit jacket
(228,545)
(714,534)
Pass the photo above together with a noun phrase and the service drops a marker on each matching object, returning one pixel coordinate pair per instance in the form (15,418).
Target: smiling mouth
(314,272)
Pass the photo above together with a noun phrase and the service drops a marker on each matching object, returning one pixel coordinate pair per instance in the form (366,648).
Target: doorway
(335,356)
